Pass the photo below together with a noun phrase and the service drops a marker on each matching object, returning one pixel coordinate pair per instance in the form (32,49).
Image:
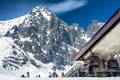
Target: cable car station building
(101,55)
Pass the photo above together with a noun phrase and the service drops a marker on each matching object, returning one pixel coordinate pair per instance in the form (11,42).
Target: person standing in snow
(63,75)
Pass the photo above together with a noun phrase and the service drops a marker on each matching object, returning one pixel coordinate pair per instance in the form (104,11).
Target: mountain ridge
(44,38)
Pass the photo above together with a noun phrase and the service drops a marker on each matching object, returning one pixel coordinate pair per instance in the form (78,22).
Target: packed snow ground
(44,71)
(9,77)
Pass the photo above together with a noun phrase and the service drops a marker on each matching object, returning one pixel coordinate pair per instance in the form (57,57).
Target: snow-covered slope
(8,59)
(7,25)
(39,43)
(6,77)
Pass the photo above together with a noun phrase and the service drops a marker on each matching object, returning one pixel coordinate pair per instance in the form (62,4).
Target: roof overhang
(105,42)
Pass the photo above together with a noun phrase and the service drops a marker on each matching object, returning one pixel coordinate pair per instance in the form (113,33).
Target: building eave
(102,32)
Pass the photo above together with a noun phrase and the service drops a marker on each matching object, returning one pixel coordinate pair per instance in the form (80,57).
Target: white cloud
(67,5)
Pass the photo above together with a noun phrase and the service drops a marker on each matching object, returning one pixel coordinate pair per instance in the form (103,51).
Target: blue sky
(70,11)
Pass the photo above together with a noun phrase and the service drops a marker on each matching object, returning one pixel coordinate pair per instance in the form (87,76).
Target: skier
(28,74)
(63,75)
(55,75)
(50,75)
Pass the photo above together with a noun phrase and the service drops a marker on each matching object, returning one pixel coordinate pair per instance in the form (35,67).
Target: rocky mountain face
(94,27)
(40,36)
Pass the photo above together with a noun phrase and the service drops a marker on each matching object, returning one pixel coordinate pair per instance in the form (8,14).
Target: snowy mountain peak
(43,10)
(93,27)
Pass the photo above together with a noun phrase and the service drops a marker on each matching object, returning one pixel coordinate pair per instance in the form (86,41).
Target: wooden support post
(111,74)
(78,74)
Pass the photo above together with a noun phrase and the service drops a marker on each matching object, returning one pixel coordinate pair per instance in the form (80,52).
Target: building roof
(101,40)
